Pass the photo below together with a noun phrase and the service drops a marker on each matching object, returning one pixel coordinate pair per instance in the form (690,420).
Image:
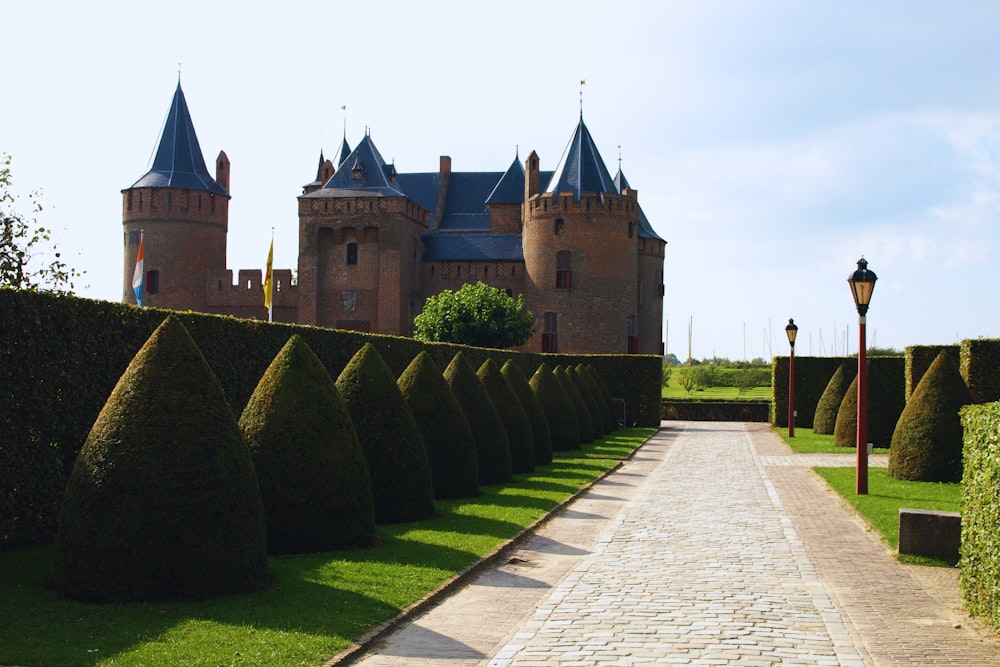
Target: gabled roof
(179,162)
(473,247)
(363,174)
(581,168)
(510,188)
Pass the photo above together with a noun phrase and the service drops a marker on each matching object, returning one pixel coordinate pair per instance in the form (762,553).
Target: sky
(773,143)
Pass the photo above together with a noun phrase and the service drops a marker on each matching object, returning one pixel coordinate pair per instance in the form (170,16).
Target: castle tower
(580,252)
(359,248)
(649,289)
(183,214)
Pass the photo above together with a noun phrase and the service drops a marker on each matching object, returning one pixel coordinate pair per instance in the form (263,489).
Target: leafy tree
(688,380)
(477,315)
(23,242)
(667,372)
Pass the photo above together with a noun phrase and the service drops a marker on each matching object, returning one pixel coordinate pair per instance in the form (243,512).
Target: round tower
(580,240)
(180,214)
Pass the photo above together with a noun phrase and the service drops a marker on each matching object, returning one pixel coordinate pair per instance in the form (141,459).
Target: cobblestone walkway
(713,546)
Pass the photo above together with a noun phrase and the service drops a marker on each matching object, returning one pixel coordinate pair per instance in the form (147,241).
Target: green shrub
(825,419)
(540,435)
(492,445)
(597,424)
(608,402)
(558,408)
(883,413)
(980,547)
(402,482)
(313,477)
(162,502)
(513,416)
(927,443)
(584,421)
(447,435)
(979,361)
(603,406)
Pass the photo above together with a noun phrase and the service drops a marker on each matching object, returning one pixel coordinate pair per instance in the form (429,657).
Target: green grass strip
(886,495)
(317,604)
(807,442)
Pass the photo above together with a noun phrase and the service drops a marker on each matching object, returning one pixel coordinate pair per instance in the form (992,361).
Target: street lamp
(792,331)
(862,284)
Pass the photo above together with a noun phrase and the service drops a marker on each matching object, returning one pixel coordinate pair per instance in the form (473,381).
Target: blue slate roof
(473,247)
(375,177)
(581,168)
(646,230)
(179,162)
(510,189)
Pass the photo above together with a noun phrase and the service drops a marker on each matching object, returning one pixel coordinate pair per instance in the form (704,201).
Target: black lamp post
(791,330)
(862,284)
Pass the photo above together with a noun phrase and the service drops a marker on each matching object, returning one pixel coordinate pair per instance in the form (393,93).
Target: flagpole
(269,281)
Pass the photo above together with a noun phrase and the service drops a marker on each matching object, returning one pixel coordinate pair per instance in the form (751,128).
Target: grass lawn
(675,392)
(317,603)
(886,495)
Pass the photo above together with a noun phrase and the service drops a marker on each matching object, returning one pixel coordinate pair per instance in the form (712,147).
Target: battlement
(193,205)
(625,203)
(245,297)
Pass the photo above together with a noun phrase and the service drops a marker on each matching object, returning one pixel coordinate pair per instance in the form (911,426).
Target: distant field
(674,391)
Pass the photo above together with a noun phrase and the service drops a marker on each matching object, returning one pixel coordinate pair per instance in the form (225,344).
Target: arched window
(564,270)
(549,341)
(352,253)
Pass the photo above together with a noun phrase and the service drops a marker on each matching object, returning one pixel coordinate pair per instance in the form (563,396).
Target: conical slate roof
(341,157)
(179,162)
(363,174)
(510,187)
(646,230)
(581,168)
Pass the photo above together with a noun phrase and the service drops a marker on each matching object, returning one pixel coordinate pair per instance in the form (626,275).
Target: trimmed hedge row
(920,357)
(60,358)
(980,562)
(979,361)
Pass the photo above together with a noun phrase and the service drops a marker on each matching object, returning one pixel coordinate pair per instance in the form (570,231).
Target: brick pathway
(713,546)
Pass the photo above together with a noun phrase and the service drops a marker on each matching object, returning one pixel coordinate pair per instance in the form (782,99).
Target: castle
(374,244)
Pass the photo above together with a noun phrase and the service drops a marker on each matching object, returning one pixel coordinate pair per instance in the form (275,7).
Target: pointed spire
(581,168)
(365,170)
(179,162)
(510,188)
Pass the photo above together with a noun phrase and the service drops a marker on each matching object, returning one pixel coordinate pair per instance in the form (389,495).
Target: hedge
(979,361)
(812,374)
(920,357)
(979,567)
(60,357)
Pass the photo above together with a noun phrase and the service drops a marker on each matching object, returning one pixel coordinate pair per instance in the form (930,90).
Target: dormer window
(358,170)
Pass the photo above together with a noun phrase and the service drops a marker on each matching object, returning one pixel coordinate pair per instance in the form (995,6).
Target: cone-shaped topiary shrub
(451,447)
(584,422)
(825,417)
(596,423)
(927,443)
(515,421)
(162,503)
(313,476)
(883,412)
(402,483)
(492,446)
(536,417)
(603,407)
(607,395)
(558,408)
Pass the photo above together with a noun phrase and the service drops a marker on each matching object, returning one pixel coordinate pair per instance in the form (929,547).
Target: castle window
(486,270)
(129,200)
(458,272)
(352,253)
(432,270)
(558,226)
(549,341)
(564,270)
(631,229)
(633,340)
(513,270)
(152,285)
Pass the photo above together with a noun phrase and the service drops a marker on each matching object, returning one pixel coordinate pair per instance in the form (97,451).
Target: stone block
(930,533)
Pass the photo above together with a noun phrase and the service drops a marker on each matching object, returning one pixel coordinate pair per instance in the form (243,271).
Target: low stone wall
(930,533)
(716,411)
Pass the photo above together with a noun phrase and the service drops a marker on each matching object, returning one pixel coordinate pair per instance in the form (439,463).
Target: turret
(183,215)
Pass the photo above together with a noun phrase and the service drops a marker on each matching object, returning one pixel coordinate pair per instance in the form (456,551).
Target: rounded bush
(603,407)
(584,421)
(402,482)
(883,412)
(448,438)
(162,502)
(558,408)
(825,417)
(927,442)
(492,445)
(607,395)
(597,424)
(313,477)
(536,417)
(515,421)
